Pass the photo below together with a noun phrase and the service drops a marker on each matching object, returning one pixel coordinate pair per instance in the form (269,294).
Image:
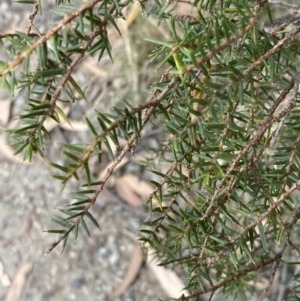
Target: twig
(31,17)
(262,217)
(64,80)
(110,170)
(259,61)
(71,68)
(266,125)
(67,19)
(13,34)
(153,101)
(288,226)
(17,287)
(223,45)
(291,159)
(231,279)
(274,269)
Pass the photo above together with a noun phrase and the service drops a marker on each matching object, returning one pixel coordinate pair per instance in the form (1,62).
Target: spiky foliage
(227,208)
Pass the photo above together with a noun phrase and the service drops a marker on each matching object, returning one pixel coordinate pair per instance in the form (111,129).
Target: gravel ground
(87,270)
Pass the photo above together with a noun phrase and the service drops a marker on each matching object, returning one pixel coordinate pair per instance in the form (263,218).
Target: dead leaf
(169,281)
(16,289)
(131,17)
(4,278)
(127,194)
(5,111)
(133,270)
(142,188)
(77,126)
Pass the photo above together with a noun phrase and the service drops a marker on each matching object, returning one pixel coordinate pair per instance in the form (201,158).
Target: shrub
(226,210)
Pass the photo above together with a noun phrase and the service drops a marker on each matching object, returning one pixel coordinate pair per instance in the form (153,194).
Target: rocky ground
(90,269)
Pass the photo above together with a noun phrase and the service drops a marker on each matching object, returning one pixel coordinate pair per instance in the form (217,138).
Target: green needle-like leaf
(85,228)
(92,219)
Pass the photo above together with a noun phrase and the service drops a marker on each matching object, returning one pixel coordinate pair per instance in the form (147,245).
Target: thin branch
(265,126)
(13,34)
(231,279)
(64,80)
(261,218)
(291,159)
(259,61)
(100,28)
(67,19)
(294,247)
(274,269)
(223,45)
(103,181)
(110,170)
(32,16)
(152,102)
(288,226)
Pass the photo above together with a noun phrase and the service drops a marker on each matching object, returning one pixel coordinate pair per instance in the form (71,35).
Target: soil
(88,270)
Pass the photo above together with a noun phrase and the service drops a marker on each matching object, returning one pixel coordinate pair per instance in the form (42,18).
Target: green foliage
(228,101)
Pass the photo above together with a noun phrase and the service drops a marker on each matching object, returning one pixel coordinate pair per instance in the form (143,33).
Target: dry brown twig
(231,279)
(17,287)
(67,19)
(31,17)
(110,170)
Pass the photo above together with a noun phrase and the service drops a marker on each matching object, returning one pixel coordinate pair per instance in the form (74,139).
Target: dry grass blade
(77,126)
(168,279)
(16,289)
(127,193)
(4,278)
(142,188)
(133,270)
(5,111)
